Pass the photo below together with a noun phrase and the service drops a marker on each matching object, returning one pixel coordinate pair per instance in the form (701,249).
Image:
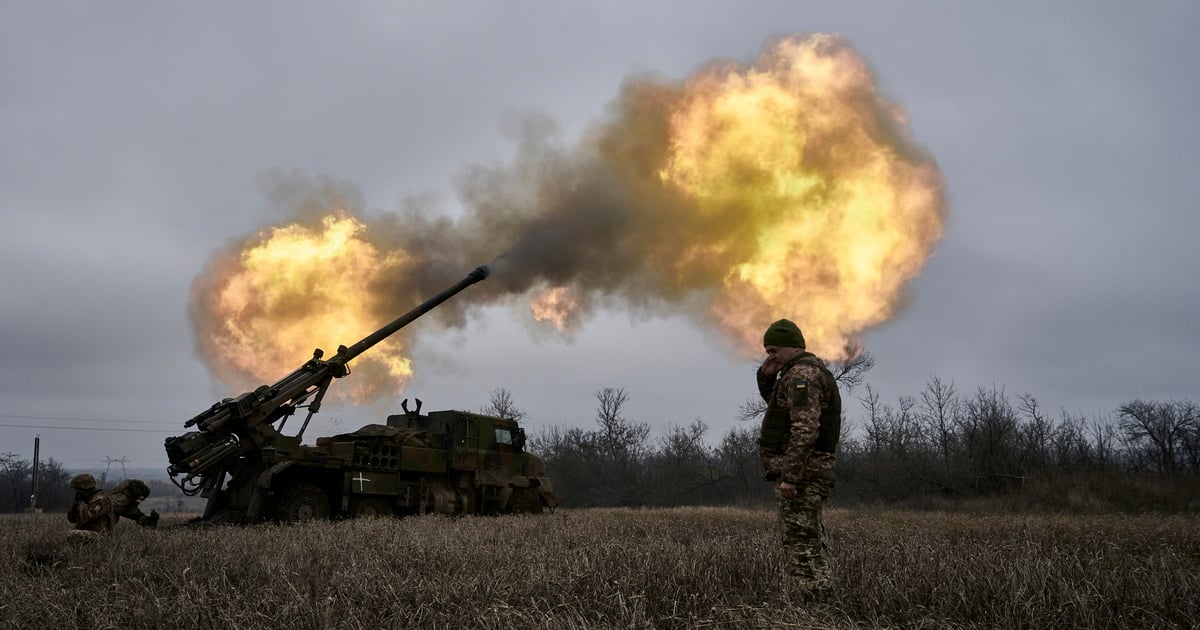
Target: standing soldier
(125,499)
(797,442)
(92,510)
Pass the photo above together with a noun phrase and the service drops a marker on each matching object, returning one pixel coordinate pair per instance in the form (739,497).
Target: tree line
(940,443)
(16,484)
(937,447)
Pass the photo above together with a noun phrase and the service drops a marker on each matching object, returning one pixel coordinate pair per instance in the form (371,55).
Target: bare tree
(752,409)
(684,469)
(875,410)
(14,482)
(1159,430)
(1190,443)
(501,405)
(54,489)
(683,445)
(620,437)
(988,426)
(1103,434)
(1069,447)
(572,460)
(850,374)
(940,407)
(738,456)
(891,430)
(1035,433)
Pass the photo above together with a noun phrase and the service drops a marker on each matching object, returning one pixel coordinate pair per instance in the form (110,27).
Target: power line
(74,428)
(13,417)
(43,426)
(99,463)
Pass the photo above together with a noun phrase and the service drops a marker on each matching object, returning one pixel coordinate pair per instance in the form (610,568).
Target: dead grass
(606,568)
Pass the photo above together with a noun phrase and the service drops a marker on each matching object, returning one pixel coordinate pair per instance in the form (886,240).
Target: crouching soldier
(125,499)
(92,510)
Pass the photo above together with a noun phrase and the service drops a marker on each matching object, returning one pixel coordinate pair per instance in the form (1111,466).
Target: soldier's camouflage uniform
(125,499)
(92,510)
(797,444)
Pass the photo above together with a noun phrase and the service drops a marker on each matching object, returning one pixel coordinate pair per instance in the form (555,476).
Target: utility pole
(33,506)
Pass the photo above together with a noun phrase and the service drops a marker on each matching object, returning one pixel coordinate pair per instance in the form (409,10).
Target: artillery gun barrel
(346,354)
(235,427)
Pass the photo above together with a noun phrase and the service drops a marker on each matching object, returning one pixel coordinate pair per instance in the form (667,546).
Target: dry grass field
(606,568)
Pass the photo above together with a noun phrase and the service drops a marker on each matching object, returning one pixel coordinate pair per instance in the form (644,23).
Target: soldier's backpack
(96,508)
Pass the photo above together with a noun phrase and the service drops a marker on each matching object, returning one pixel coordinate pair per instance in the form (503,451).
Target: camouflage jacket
(126,502)
(800,429)
(92,512)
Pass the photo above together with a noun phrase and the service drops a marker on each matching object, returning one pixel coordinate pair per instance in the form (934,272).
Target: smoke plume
(785,187)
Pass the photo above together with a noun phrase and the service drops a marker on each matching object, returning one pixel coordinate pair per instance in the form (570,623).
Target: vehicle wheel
(524,501)
(369,507)
(303,502)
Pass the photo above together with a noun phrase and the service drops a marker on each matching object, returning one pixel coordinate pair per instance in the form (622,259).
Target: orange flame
(802,148)
(557,305)
(294,288)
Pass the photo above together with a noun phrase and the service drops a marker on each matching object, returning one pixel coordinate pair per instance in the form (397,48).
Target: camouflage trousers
(803,531)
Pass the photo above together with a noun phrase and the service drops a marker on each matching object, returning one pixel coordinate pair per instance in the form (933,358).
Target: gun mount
(239,458)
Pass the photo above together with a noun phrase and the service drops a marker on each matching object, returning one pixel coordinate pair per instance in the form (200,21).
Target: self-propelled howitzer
(248,469)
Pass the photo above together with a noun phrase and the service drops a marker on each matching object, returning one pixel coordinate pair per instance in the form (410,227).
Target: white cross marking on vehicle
(361,480)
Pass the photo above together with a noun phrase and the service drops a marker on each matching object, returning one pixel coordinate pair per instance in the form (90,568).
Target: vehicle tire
(370,507)
(303,502)
(524,501)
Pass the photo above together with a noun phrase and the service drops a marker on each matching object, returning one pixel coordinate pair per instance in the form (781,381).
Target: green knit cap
(784,334)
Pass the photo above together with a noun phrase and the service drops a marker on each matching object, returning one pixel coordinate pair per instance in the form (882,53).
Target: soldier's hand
(770,365)
(787,490)
(150,521)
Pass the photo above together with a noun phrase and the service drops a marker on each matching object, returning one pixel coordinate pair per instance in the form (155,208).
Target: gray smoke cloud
(598,218)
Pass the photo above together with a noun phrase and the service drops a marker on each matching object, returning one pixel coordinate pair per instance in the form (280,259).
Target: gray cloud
(133,141)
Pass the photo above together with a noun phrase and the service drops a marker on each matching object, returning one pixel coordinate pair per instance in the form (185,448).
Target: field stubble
(607,568)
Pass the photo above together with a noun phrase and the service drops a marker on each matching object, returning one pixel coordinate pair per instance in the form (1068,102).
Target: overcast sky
(133,137)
